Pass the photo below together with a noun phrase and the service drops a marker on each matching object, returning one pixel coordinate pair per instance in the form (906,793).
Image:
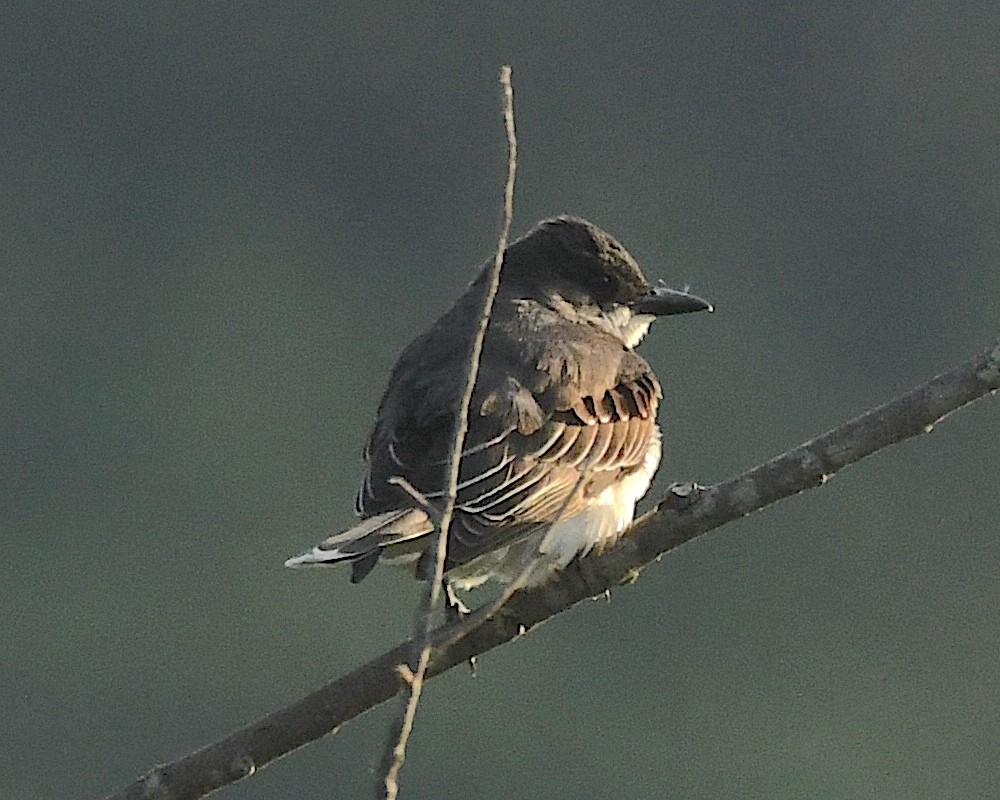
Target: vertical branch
(415,677)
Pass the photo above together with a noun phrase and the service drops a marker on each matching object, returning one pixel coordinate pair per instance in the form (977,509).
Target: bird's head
(577,268)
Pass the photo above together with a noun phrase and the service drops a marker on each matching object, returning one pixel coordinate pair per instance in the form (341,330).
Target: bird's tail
(362,545)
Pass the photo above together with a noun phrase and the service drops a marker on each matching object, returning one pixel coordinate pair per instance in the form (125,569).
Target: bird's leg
(455,609)
(455,612)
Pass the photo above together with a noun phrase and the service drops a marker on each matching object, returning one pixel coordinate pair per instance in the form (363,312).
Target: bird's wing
(557,417)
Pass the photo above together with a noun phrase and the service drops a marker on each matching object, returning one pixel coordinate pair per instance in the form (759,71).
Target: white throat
(627,326)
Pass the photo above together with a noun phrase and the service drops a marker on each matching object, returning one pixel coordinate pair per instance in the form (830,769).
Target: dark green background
(218,226)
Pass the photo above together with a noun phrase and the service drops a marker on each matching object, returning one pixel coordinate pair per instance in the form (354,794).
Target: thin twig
(390,784)
(807,466)
(460,628)
(416,494)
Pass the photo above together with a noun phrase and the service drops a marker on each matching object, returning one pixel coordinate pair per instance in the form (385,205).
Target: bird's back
(561,411)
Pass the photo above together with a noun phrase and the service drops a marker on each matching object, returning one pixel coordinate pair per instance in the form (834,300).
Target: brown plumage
(563,415)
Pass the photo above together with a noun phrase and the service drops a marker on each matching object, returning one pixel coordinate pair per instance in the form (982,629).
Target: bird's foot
(455,612)
(681,495)
(454,608)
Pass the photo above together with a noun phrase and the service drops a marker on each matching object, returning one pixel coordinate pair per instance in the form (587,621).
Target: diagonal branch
(677,519)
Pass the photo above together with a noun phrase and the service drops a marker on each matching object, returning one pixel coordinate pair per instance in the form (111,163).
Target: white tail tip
(315,557)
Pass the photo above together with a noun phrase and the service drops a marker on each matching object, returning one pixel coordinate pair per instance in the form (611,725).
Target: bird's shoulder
(537,354)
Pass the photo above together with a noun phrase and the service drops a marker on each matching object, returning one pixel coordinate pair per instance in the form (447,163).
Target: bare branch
(396,754)
(676,520)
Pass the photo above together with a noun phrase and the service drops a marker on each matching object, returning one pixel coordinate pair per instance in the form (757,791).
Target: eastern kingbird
(562,437)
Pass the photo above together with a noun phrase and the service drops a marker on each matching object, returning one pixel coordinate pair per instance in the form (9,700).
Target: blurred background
(220,224)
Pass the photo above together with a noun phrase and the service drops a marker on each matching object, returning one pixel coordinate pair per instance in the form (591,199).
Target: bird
(562,438)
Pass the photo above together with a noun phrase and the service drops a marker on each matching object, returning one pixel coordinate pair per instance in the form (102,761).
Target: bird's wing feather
(562,415)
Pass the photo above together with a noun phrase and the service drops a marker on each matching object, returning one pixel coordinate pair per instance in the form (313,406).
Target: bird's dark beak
(662,301)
